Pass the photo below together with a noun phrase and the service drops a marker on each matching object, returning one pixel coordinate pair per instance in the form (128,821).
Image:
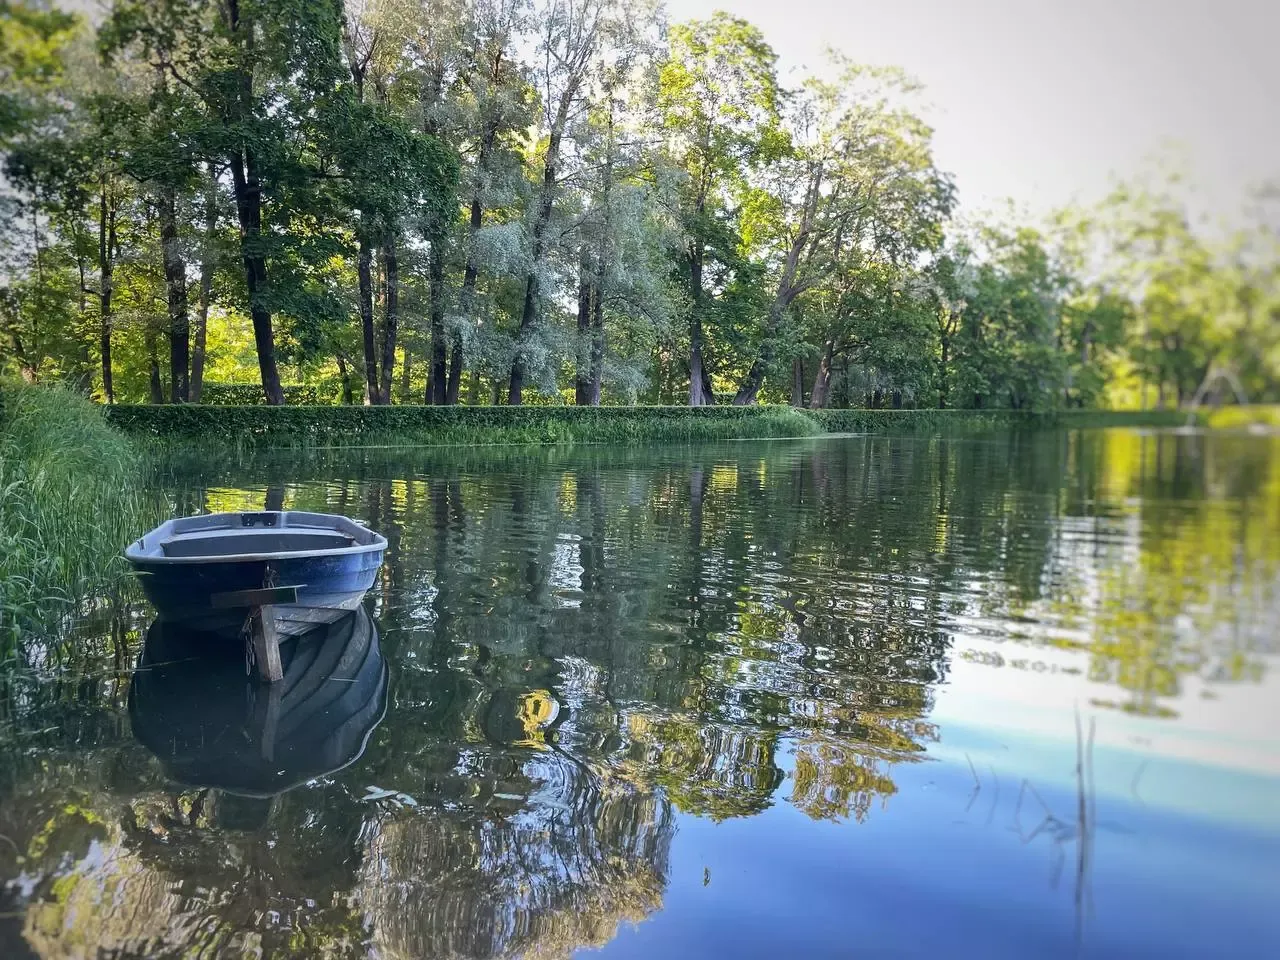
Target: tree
(570,195)
(572,32)
(494,105)
(719,103)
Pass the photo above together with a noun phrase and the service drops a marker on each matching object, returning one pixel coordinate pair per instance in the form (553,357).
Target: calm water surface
(998,697)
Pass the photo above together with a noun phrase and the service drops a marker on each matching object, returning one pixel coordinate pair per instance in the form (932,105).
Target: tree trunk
(106,269)
(754,380)
(83,374)
(597,348)
(529,311)
(438,378)
(582,378)
(788,290)
(153,364)
(467,296)
(515,393)
(820,396)
(390,313)
(943,360)
(364,263)
(248,192)
(344,374)
(249,209)
(437,390)
(175,279)
(700,392)
(455,372)
(199,334)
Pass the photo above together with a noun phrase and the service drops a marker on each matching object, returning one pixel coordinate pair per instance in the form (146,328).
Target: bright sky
(1042,101)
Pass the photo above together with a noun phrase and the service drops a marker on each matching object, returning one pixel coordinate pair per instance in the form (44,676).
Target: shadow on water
(587,648)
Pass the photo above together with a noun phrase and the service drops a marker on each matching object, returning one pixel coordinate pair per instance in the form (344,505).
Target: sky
(1044,101)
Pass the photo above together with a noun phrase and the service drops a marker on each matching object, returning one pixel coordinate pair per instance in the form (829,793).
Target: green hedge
(360,425)
(369,426)
(325,393)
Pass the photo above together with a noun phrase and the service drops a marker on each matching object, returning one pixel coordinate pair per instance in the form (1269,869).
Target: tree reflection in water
(583,644)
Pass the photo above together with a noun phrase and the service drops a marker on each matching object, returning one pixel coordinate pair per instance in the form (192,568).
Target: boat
(308,567)
(192,706)
(257,576)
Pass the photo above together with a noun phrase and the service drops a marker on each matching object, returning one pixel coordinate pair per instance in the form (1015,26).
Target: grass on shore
(248,427)
(70,499)
(1237,418)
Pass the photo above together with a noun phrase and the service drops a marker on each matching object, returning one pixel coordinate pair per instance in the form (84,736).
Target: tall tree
(572,34)
(497,105)
(719,100)
(242,114)
(856,191)
(208,265)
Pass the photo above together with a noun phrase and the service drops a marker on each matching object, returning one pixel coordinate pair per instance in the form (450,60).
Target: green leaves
(717,233)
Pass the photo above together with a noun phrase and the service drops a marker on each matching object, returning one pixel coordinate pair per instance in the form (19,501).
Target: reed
(71,497)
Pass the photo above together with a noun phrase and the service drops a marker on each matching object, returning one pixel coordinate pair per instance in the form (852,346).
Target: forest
(562,201)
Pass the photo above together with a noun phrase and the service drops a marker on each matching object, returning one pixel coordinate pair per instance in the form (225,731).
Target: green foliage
(374,425)
(404,194)
(250,394)
(355,426)
(31,42)
(70,499)
(951,421)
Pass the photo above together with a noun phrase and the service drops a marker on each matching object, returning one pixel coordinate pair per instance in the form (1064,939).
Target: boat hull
(192,592)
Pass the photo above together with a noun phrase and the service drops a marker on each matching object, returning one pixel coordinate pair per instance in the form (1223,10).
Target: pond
(1001,696)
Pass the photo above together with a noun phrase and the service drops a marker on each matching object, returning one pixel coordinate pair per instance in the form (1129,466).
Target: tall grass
(235,430)
(70,499)
(243,428)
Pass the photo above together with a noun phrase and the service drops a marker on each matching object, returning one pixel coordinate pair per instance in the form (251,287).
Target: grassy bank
(70,499)
(251,426)
(1236,418)
(398,425)
(968,421)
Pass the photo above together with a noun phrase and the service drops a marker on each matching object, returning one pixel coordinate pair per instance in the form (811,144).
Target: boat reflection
(192,704)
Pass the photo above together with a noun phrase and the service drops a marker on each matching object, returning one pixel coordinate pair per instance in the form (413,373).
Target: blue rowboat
(305,568)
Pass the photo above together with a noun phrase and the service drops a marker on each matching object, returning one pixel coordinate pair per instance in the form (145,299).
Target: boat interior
(227,543)
(253,534)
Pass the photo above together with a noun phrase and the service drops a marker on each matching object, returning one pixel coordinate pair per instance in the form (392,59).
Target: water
(998,697)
